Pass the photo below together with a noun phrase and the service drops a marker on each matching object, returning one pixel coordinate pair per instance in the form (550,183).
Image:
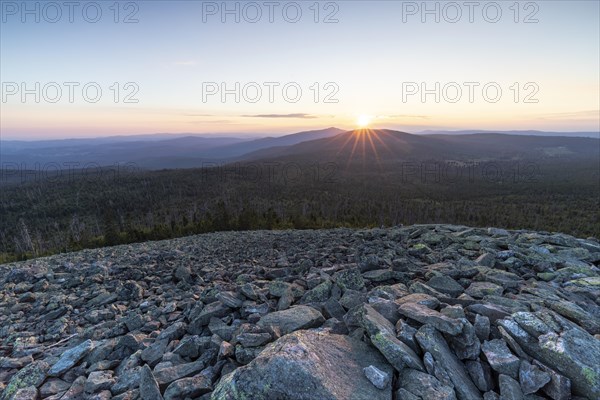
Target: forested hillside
(74,212)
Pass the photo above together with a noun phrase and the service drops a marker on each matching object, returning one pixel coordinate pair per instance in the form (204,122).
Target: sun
(363,120)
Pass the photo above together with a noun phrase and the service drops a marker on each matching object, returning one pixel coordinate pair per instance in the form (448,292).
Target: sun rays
(365,143)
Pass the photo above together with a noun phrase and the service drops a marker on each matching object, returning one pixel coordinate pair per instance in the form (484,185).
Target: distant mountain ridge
(595,135)
(166,151)
(146,151)
(383,145)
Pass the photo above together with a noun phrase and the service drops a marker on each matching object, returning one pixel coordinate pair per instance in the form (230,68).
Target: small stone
(532,378)
(28,393)
(188,388)
(173,332)
(447,285)
(479,290)
(148,387)
(53,386)
(381,333)
(500,358)
(420,298)
(481,374)
(559,387)
(98,381)
(377,377)
(229,299)
(426,315)
(509,388)
(253,339)
(425,386)
(482,327)
(349,279)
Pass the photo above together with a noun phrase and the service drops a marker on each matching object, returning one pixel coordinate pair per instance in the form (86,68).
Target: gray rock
(432,341)
(292,319)
(70,357)
(435,368)
(191,346)
(492,311)
(479,290)
(532,378)
(381,334)
(99,381)
(148,386)
(213,310)
(318,294)
(173,332)
(76,390)
(53,386)
(500,358)
(573,352)
(183,273)
(466,345)
(425,386)
(559,387)
(426,315)
(153,353)
(28,393)
(307,364)
(188,388)
(126,380)
(509,388)
(165,375)
(420,298)
(377,377)
(244,355)
(403,394)
(447,285)
(31,375)
(230,299)
(349,279)
(482,327)
(481,374)
(406,334)
(253,339)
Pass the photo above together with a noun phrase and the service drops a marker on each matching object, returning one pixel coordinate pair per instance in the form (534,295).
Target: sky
(115,68)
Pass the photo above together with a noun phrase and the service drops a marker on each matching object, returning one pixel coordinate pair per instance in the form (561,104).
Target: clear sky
(374,62)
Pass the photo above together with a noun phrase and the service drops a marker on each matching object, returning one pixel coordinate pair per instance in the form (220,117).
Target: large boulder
(307,365)
(560,344)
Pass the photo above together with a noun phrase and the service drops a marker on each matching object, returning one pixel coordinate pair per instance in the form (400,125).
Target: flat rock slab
(500,357)
(426,315)
(425,386)
(382,335)
(307,365)
(573,352)
(431,340)
(293,319)
(71,357)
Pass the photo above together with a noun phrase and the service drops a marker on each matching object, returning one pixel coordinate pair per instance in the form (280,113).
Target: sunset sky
(370,58)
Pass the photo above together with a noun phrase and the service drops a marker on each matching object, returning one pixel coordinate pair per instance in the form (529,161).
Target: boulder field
(437,312)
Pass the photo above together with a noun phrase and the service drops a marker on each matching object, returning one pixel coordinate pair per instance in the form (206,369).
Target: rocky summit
(421,312)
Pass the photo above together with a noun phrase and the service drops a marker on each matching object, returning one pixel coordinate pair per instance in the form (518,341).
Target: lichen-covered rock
(571,351)
(382,335)
(307,365)
(31,375)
